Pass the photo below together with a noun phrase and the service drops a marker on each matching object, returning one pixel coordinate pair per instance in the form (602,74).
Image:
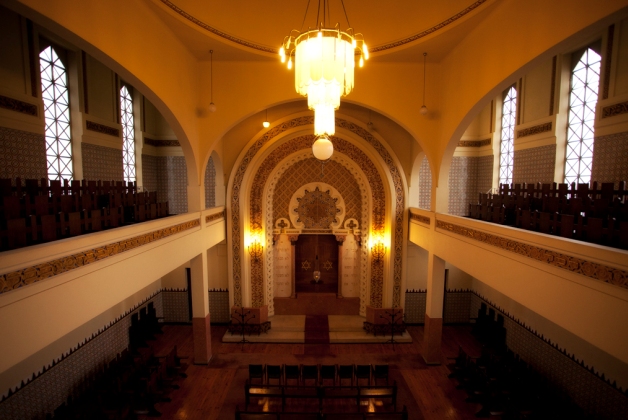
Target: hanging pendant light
(266,123)
(423,110)
(212,106)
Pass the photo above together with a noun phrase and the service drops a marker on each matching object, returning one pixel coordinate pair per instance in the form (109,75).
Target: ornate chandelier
(324,60)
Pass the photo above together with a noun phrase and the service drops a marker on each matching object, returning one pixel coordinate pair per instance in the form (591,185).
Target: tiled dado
(219,306)
(590,390)
(22,154)
(210,184)
(66,376)
(29,275)
(104,163)
(570,263)
(176,305)
(610,154)
(534,165)
(414,312)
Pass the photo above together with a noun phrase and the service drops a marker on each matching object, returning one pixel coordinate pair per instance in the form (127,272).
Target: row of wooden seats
(592,215)
(130,385)
(253,415)
(12,207)
(43,186)
(34,229)
(318,373)
(321,393)
(501,382)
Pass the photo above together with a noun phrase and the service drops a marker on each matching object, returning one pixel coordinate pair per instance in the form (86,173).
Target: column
(201,332)
(433,329)
(340,239)
(293,241)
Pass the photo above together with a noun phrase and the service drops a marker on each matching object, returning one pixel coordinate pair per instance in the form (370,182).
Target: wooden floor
(213,391)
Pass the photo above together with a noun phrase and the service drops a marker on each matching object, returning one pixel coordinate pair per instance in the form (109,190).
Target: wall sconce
(256,249)
(378,250)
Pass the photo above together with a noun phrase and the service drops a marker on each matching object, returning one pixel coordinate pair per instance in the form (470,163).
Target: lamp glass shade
(423,110)
(212,107)
(322,148)
(266,124)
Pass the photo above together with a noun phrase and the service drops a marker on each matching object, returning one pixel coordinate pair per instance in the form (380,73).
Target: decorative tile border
(162,143)
(215,31)
(430,30)
(420,218)
(614,110)
(216,216)
(20,278)
(18,106)
(537,129)
(101,128)
(576,265)
(249,44)
(474,143)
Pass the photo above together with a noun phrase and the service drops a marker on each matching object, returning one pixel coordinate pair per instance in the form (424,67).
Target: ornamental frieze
(537,129)
(576,265)
(420,218)
(614,110)
(18,106)
(101,128)
(20,278)
(474,143)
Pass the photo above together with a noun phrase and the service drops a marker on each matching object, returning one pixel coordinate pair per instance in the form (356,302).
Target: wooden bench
(262,391)
(338,392)
(380,392)
(298,392)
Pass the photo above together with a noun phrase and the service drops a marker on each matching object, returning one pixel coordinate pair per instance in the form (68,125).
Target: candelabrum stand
(393,317)
(242,318)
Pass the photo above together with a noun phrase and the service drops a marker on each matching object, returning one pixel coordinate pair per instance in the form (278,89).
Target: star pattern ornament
(327,265)
(306,265)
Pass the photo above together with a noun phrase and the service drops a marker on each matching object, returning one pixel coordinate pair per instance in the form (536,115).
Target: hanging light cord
(424,56)
(345,10)
(305,16)
(211,79)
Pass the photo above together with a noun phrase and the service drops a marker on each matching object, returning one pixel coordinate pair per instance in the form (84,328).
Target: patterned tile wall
(172,181)
(210,184)
(149,172)
(425,184)
(610,158)
(534,165)
(463,186)
(102,163)
(415,307)
(22,154)
(67,377)
(595,396)
(219,307)
(457,306)
(175,305)
(309,170)
(485,173)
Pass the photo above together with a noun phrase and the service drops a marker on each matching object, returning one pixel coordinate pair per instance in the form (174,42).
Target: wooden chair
(346,372)
(380,372)
(328,372)
(363,372)
(274,372)
(291,372)
(309,372)
(257,372)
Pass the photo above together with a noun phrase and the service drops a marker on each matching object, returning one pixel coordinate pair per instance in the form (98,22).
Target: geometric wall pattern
(415,307)
(101,163)
(22,154)
(468,176)
(610,154)
(149,173)
(425,184)
(219,307)
(172,181)
(462,184)
(303,172)
(68,376)
(176,307)
(535,165)
(210,184)
(456,307)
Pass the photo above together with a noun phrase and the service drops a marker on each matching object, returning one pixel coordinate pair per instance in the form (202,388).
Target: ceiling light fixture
(212,106)
(266,123)
(324,61)
(423,110)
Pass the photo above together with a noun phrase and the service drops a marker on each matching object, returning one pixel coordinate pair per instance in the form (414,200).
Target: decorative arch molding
(366,204)
(389,163)
(334,194)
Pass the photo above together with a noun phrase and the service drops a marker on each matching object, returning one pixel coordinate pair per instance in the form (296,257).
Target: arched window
(585,81)
(509,120)
(54,90)
(128,135)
